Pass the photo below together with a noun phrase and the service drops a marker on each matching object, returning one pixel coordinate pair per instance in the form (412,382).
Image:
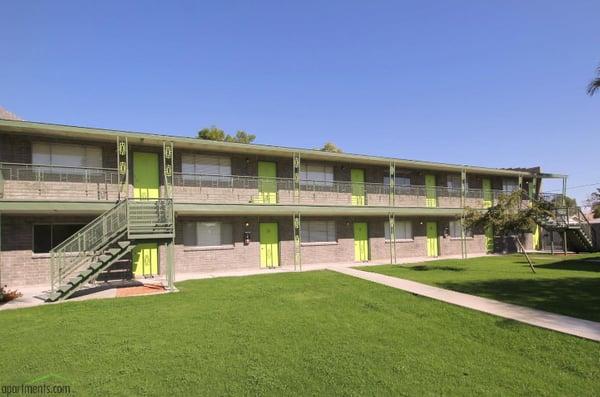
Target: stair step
(64,288)
(53,297)
(112,251)
(124,244)
(105,257)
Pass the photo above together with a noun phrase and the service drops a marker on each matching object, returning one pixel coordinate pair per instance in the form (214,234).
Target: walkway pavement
(556,322)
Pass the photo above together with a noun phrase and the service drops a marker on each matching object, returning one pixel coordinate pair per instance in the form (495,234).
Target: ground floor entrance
(145,260)
(269,245)
(361,242)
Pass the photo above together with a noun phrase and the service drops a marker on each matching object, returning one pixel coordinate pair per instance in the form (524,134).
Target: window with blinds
(320,173)
(454,230)
(205,164)
(510,185)
(318,232)
(399,180)
(66,155)
(207,234)
(403,230)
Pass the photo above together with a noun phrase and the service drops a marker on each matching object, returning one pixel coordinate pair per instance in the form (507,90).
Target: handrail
(153,216)
(54,166)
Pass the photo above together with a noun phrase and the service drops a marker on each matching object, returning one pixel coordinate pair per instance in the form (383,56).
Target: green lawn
(313,333)
(567,285)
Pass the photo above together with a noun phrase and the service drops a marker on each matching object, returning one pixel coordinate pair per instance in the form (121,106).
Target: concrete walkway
(556,322)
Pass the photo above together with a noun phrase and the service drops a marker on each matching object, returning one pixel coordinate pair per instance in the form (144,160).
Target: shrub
(7,295)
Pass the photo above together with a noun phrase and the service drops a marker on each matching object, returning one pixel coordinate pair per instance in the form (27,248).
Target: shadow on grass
(445,268)
(576,297)
(587,265)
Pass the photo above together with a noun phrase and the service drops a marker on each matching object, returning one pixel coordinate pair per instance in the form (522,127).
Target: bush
(7,295)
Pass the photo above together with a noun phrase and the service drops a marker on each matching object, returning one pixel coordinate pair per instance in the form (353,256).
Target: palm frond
(594,86)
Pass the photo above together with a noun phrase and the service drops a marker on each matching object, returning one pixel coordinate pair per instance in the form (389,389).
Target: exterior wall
(18,264)
(21,182)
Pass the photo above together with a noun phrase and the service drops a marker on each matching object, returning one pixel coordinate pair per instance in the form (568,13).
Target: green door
(358,186)
(145,175)
(432,239)
(488,239)
(145,259)
(267,184)
(361,242)
(487,193)
(269,245)
(430,191)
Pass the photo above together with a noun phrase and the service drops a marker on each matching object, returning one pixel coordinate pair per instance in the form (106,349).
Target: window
(316,172)
(207,234)
(318,232)
(400,181)
(509,185)
(455,183)
(46,237)
(403,230)
(455,230)
(58,154)
(206,165)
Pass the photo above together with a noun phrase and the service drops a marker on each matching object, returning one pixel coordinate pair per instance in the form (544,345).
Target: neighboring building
(236,206)
(6,115)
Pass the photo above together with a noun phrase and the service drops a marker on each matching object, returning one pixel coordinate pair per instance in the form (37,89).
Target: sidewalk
(556,322)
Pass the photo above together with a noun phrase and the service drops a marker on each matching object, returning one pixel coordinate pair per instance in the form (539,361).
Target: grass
(566,285)
(313,333)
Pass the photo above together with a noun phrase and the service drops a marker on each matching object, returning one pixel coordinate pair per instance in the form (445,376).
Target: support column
(392,228)
(463,193)
(168,194)
(297,222)
(520,190)
(123,167)
(392,185)
(564,191)
(168,169)
(296,178)
(171,265)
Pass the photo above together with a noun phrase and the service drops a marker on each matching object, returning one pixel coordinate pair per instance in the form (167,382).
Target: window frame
(331,228)
(222,244)
(51,224)
(304,173)
(468,232)
(85,158)
(196,163)
(387,235)
(386,181)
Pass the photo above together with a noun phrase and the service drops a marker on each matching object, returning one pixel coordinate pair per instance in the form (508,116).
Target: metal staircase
(576,227)
(571,221)
(86,254)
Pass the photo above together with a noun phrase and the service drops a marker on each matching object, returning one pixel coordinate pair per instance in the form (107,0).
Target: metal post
(392,228)
(520,190)
(565,242)
(564,191)
(168,168)
(171,265)
(463,193)
(392,184)
(296,178)
(123,167)
(297,223)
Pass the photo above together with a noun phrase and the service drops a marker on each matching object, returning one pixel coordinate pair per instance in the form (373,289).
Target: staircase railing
(71,255)
(139,218)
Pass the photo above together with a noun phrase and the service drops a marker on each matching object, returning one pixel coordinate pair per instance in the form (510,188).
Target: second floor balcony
(57,183)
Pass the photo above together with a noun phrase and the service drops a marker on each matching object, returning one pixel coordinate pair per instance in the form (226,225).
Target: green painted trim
(154,139)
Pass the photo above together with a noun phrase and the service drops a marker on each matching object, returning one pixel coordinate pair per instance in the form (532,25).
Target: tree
(216,134)
(331,147)
(508,218)
(244,137)
(212,134)
(594,84)
(594,202)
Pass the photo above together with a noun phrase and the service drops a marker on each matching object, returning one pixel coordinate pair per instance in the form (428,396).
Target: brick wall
(19,265)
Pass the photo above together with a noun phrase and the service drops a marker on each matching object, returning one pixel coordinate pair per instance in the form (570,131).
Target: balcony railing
(32,181)
(202,188)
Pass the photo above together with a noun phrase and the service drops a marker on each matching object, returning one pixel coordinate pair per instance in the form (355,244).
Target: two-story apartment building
(234,206)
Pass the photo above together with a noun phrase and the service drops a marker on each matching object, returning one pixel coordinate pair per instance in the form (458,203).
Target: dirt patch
(147,289)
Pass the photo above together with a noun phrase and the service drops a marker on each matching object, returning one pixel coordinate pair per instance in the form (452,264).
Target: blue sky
(492,83)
